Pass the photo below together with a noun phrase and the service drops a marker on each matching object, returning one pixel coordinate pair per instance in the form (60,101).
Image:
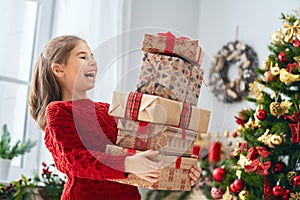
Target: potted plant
(8,151)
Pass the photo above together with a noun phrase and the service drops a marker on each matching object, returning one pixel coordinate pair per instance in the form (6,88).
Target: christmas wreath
(233,54)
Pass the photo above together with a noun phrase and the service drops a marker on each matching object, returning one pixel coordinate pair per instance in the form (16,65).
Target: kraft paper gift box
(169,44)
(144,135)
(174,176)
(170,77)
(149,108)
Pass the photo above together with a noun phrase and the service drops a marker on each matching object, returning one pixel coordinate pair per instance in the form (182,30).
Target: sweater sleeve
(70,154)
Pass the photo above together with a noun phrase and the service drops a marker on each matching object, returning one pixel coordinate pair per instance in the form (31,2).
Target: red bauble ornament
(261,114)
(234,134)
(281,57)
(218,174)
(277,190)
(239,184)
(296,180)
(279,167)
(232,188)
(286,194)
(296,43)
(216,193)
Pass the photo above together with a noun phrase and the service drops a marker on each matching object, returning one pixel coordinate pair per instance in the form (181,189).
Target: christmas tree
(266,163)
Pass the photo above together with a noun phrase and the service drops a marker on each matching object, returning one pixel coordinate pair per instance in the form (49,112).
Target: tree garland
(242,56)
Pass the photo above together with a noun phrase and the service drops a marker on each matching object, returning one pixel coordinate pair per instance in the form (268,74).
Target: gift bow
(255,151)
(171,35)
(292,30)
(294,117)
(262,168)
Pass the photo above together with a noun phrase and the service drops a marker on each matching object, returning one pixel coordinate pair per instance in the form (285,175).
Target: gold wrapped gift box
(169,44)
(143,136)
(175,176)
(160,110)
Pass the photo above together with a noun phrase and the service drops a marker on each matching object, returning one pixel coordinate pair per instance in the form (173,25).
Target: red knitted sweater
(76,134)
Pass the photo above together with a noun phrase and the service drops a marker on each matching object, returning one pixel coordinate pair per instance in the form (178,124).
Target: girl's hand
(143,165)
(195,173)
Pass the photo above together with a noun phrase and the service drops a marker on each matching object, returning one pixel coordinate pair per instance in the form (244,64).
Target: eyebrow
(83,52)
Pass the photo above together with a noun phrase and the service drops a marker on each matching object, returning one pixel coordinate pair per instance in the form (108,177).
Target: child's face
(79,71)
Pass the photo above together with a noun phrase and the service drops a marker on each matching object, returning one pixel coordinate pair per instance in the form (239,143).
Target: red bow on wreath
(262,168)
(294,127)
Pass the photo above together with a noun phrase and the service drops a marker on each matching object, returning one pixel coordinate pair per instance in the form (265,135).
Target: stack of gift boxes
(162,113)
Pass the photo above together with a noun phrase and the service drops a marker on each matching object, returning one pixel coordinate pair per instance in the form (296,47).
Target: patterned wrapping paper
(167,43)
(173,177)
(155,109)
(170,77)
(143,136)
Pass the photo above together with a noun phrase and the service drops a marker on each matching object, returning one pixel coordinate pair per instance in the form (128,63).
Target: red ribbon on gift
(261,168)
(131,151)
(143,127)
(295,128)
(185,116)
(170,41)
(133,105)
(178,162)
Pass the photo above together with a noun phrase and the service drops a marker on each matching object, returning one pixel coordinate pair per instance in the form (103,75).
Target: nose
(92,61)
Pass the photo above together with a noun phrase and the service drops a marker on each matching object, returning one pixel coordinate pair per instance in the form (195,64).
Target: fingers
(151,177)
(195,173)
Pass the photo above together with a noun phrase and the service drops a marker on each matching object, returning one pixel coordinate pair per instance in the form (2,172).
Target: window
(20,38)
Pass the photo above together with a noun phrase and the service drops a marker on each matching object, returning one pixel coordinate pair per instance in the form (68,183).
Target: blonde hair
(44,87)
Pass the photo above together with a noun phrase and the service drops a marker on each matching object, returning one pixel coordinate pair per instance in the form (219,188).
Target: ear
(57,70)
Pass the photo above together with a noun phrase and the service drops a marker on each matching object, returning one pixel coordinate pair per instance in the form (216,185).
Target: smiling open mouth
(91,74)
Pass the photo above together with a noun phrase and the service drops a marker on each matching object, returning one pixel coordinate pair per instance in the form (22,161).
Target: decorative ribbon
(261,168)
(133,105)
(291,31)
(142,127)
(170,41)
(255,151)
(295,128)
(183,134)
(185,116)
(178,162)
(243,146)
(131,151)
(267,188)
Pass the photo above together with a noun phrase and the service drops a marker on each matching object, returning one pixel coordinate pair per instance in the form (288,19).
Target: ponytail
(44,89)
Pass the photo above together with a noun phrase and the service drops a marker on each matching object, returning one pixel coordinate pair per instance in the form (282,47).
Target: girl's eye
(83,57)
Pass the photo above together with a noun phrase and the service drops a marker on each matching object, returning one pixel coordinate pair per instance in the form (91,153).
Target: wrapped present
(170,77)
(174,176)
(144,135)
(149,108)
(167,43)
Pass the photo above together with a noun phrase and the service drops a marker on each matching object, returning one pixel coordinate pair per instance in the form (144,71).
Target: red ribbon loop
(133,105)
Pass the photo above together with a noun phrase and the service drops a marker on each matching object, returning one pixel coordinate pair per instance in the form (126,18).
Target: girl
(77,129)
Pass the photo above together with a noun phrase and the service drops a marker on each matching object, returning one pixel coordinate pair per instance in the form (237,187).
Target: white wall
(213,23)
(257,20)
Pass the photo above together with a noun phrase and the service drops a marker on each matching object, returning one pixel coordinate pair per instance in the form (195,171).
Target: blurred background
(114,30)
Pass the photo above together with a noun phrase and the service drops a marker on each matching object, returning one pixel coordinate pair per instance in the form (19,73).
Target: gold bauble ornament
(275,109)
(267,64)
(277,36)
(290,176)
(244,194)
